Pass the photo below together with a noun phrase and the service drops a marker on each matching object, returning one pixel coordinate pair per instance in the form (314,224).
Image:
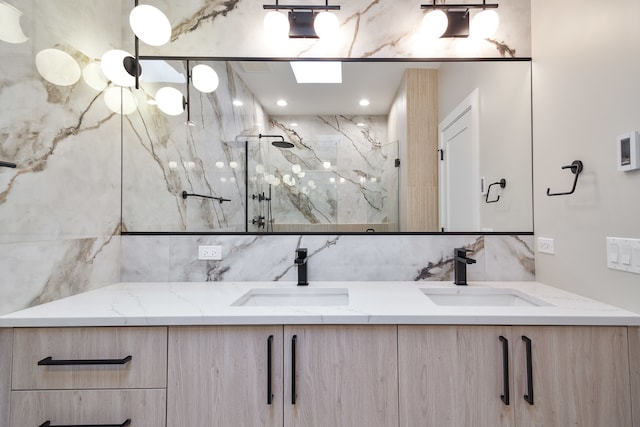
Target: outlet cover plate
(546,245)
(209,253)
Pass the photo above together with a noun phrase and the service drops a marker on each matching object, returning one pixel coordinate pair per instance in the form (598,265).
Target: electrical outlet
(546,245)
(210,253)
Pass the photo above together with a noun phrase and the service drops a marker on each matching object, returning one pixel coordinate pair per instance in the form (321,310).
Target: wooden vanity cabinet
(221,376)
(580,376)
(345,376)
(634,361)
(339,375)
(89,376)
(454,376)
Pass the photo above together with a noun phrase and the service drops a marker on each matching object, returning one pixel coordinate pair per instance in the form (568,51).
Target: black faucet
(460,262)
(301,262)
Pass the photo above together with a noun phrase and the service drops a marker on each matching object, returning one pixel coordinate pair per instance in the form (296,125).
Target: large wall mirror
(390,146)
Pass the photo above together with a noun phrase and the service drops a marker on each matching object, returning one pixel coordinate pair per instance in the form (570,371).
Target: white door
(459,183)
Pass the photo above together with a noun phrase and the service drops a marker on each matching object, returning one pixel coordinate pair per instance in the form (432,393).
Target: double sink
(458,296)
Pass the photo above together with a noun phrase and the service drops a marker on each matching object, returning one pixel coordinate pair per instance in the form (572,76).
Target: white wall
(505,134)
(586,90)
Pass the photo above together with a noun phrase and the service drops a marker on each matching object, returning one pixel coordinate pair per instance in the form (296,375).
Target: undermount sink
(487,297)
(302,296)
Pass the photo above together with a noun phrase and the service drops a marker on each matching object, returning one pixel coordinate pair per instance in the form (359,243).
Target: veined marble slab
(136,304)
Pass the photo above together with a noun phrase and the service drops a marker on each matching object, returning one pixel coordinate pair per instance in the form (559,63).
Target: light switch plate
(546,245)
(623,254)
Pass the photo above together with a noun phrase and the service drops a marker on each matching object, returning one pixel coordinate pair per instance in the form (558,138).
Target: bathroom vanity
(334,353)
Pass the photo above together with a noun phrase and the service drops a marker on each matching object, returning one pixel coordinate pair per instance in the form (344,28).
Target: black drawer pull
(505,370)
(124,424)
(293,369)
(269,374)
(529,396)
(48,361)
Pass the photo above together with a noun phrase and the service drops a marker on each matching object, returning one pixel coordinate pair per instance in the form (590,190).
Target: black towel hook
(576,168)
(502,183)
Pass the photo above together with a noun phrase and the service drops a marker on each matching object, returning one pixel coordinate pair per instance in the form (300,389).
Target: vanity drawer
(89,358)
(145,408)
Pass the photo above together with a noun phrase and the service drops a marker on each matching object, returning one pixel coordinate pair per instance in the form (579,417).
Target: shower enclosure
(321,185)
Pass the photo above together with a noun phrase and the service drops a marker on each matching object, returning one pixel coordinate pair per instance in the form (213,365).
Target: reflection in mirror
(320,161)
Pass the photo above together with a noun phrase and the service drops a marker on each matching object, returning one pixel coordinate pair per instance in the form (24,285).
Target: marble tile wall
(368,29)
(60,208)
(331,257)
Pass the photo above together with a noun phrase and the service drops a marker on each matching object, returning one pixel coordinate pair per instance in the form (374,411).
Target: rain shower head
(280,144)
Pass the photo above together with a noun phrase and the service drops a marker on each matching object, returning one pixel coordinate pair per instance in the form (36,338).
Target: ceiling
(374,80)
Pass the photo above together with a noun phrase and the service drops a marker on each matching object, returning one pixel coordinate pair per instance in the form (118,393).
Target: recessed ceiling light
(360,124)
(364,102)
(237,103)
(282,103)
(317,71)
(293,125)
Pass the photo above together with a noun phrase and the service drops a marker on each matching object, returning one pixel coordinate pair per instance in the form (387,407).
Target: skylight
(317,71)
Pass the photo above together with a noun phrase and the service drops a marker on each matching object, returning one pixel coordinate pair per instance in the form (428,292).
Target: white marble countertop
(209,303)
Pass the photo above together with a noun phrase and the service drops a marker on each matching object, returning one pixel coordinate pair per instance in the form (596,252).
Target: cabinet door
(341,376)
(634,360)
(219,376)
(454,376)
(579,376)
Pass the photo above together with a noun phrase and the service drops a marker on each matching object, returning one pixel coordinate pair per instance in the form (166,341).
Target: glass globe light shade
(296,168)
(58,67)
(150,25)
(94,77)
(326,24)
(120,100)
(112,64)
(434,24)
(276,24)
(10,29)
(484,24)
(204,78)
(170,101)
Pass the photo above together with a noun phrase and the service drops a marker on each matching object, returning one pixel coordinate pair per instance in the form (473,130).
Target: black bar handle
(219,199)
(269,359)
(529,396)
(124,424)
(48,361)
(293,369)
(505,370)
(7,164)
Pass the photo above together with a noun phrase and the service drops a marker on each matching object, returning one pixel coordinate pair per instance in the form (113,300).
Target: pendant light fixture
(303,21)
(10,29)
(120,67)
(483,25)
(150,25)
(58,67)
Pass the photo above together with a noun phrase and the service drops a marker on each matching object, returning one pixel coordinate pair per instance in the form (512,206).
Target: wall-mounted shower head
(280,144)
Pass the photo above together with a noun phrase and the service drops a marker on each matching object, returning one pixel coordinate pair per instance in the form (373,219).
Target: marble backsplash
(174,258)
